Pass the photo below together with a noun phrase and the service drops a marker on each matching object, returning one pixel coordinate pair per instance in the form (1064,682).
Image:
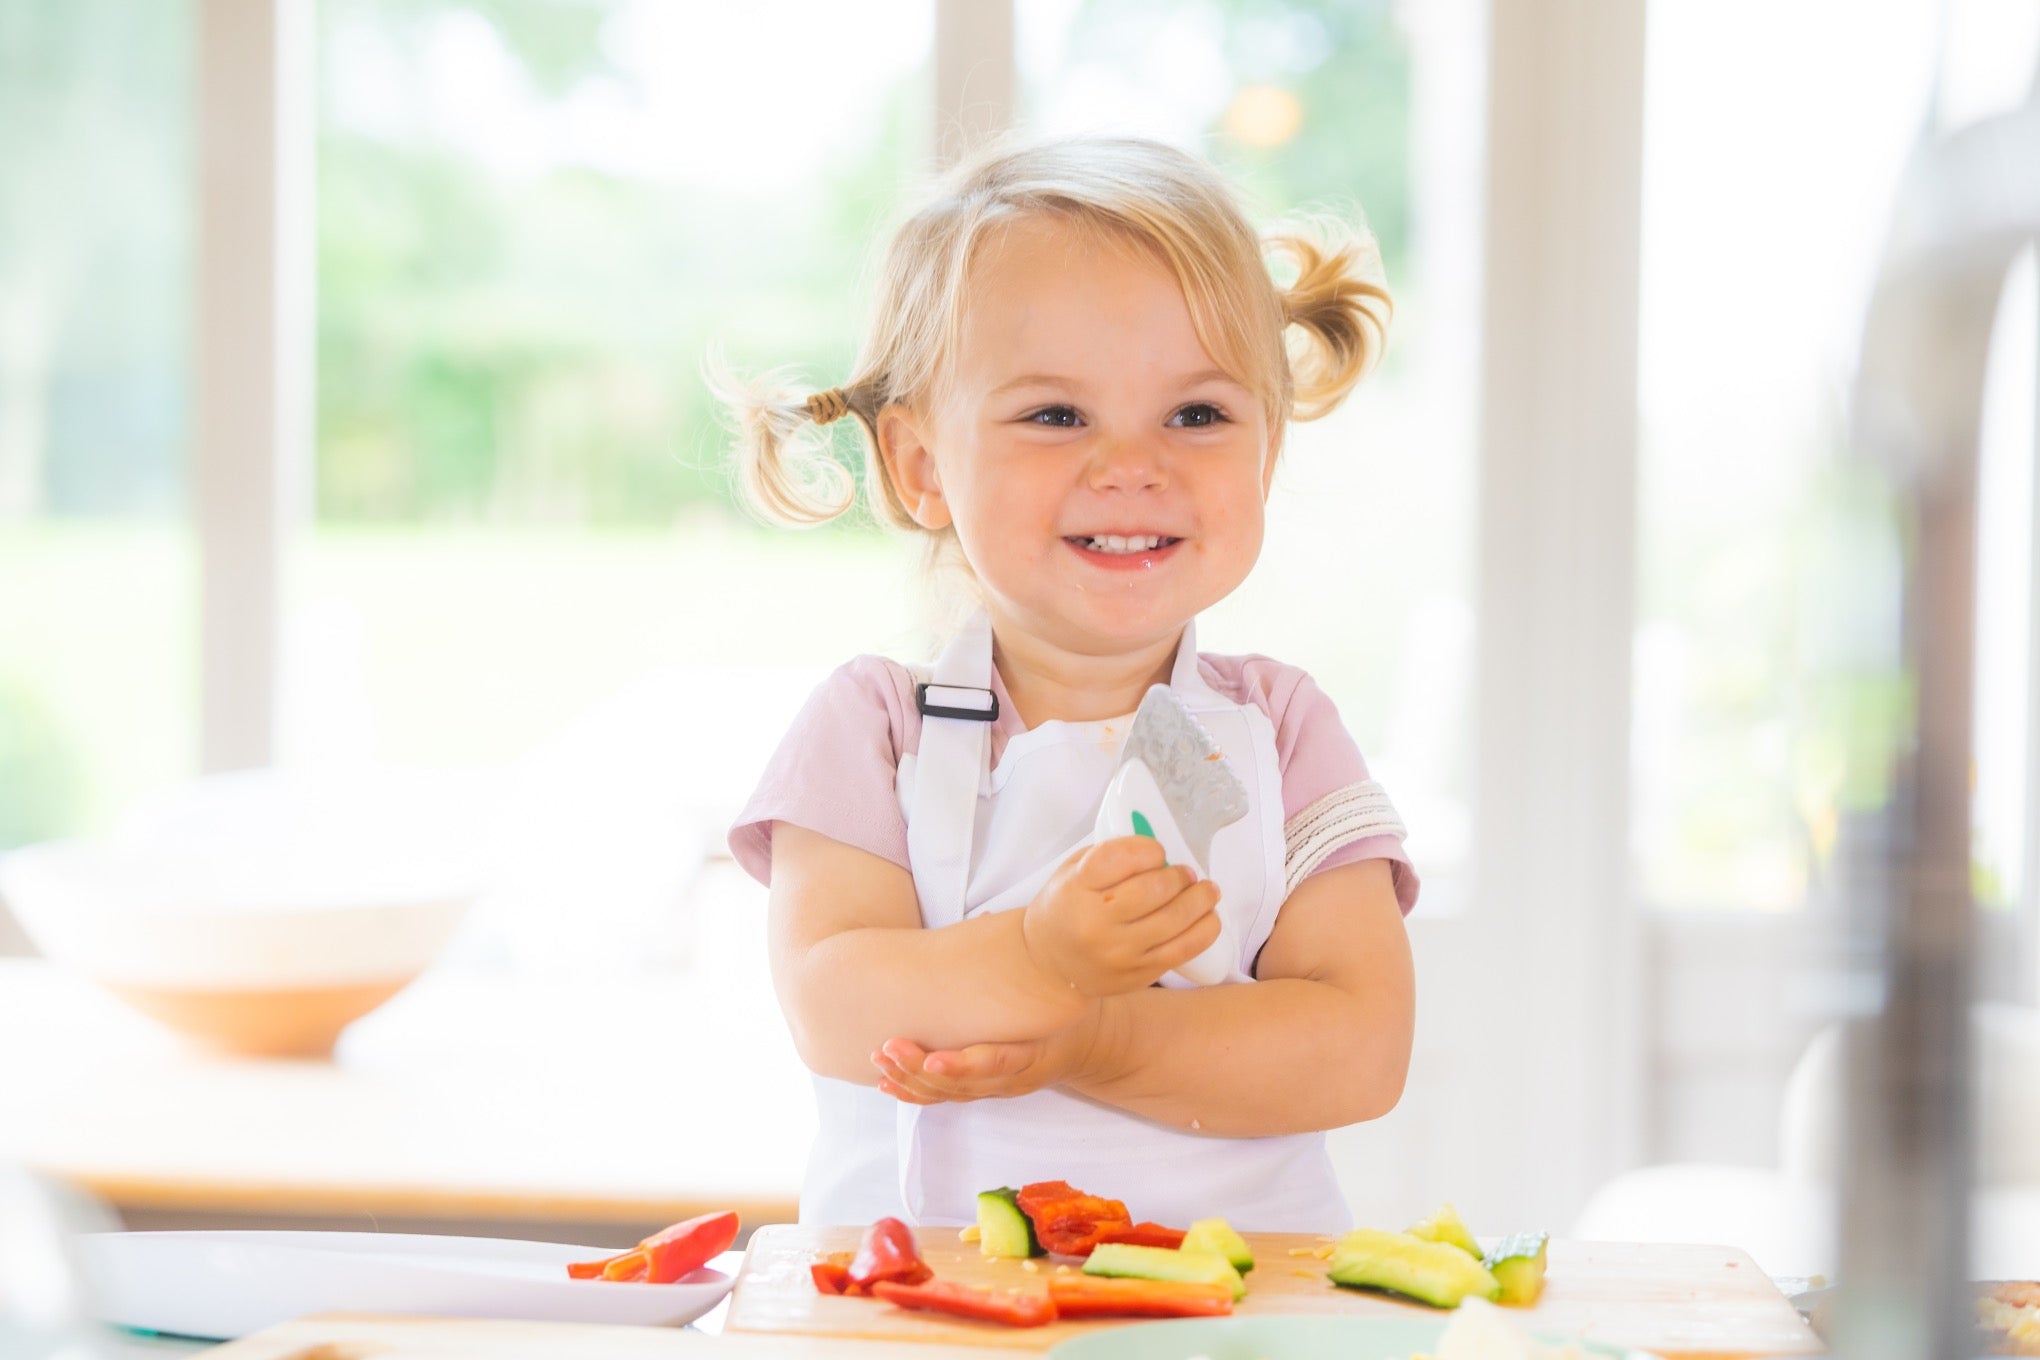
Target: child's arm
(854,967)
(1322,1040)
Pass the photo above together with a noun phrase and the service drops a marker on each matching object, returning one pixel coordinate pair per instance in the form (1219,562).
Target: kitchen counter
(576,1109)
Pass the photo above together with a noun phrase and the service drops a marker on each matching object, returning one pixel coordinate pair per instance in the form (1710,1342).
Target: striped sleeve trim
(1339,818)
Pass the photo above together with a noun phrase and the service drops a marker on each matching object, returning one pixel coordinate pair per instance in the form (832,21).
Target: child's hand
(911,1073)
(1114,917)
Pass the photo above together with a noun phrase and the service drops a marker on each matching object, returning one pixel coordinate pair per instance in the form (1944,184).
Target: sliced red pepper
(1067,1221)
(592,1270)
(677,1252)
(1078,1296)
(1028,1308)
(1145,1235)
(888,1252)
(667,1255)
(629,1266)
(830,1278)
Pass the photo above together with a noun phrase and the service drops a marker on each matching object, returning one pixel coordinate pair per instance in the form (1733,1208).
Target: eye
(1059,417)
(1197,415)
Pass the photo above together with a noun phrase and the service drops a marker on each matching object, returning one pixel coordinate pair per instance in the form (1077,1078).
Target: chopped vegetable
(830,1278)
(1517,1263)
(1025,1308)
(1217,1235)
(1144,1235)
(1079,1296)
(1429,1272)
(888,1252)
(1003,1228)
(667,1255)
(1161,1263)
(1067,1221)
(1445,1226)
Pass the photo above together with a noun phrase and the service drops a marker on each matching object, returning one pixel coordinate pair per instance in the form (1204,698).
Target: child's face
(1082,412)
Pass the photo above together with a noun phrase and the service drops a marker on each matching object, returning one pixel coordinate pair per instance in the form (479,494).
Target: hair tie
(825,408)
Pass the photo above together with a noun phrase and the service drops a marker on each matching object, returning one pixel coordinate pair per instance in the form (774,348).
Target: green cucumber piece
(1430,1272)
(1217,1236)
(1004,1229)
(1164,1263)
(1517,1263)
(1445,1226)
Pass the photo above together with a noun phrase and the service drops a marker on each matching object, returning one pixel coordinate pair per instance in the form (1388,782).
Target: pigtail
(786,471)
(1338,307)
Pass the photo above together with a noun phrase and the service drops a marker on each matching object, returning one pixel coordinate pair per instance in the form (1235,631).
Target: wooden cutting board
(1676,1300)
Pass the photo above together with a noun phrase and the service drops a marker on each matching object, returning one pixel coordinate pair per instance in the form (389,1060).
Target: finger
(1196,937)
(979,1064)
(1137,898)
(900,1093)
(1152,891)
(1108,863)
(1175,915)
(919,1087)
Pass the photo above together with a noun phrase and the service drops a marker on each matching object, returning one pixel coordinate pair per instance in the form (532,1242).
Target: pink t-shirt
(834,772)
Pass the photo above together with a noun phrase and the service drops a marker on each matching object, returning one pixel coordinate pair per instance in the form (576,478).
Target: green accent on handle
(1141,827)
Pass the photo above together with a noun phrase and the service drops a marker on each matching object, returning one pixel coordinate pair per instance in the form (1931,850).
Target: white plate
(227,1284)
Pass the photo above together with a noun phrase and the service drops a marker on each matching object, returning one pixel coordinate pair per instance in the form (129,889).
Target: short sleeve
(835,770)
(1333,812)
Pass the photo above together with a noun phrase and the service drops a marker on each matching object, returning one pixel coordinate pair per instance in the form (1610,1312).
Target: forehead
(1044,295)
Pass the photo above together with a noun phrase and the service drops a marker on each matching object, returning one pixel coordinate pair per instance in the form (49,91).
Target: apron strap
(948,771)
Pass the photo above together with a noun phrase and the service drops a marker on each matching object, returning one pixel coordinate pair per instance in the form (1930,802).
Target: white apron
(984,840)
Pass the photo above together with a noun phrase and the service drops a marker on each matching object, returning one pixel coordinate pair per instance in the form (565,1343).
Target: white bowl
(253,913)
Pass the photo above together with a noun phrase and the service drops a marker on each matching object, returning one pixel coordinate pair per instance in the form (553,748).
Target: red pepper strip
(1029,1308)
(1145,1235)
(629,1266)
(676,1252)
(592,1270)
(1095,1296)
(888,1252)
(830,1278)
(1067,1221)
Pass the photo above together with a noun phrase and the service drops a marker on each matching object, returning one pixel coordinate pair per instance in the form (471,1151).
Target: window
(1764,211)
(533,220)
(98,622)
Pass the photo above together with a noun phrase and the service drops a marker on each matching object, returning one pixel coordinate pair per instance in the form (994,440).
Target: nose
(1128,465)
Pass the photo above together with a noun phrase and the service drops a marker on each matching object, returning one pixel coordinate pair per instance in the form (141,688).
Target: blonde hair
(1302,346)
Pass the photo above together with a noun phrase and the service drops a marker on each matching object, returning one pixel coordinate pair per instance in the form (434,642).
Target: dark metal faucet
(1967,205)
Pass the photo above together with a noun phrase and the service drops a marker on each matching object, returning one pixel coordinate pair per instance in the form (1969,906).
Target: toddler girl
(1076,383)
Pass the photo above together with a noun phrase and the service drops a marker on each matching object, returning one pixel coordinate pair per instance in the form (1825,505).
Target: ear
(909,459)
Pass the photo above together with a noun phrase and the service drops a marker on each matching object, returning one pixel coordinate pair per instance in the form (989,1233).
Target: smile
(1123,543)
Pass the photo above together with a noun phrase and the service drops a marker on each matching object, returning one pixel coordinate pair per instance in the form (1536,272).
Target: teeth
(1121,543)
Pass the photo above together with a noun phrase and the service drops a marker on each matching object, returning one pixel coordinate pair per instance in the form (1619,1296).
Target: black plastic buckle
(967,708)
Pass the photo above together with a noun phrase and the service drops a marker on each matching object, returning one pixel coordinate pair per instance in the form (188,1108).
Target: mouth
(1123,552)
(1122,545)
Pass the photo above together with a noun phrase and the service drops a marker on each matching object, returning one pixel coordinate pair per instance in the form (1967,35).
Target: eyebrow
(1059,380)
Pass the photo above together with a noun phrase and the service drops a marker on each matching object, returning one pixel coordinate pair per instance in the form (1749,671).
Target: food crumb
(1196,1123)
(969,1234)
(1062,1270)
(1029,1265)
(1304,1274)
(1303,1251)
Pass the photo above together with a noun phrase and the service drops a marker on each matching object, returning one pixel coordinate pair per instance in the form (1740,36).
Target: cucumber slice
(1217,1236)
(1518,1264)
(1445,1226)
(1429,1272)
(1004,1229)
(1164,1263)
